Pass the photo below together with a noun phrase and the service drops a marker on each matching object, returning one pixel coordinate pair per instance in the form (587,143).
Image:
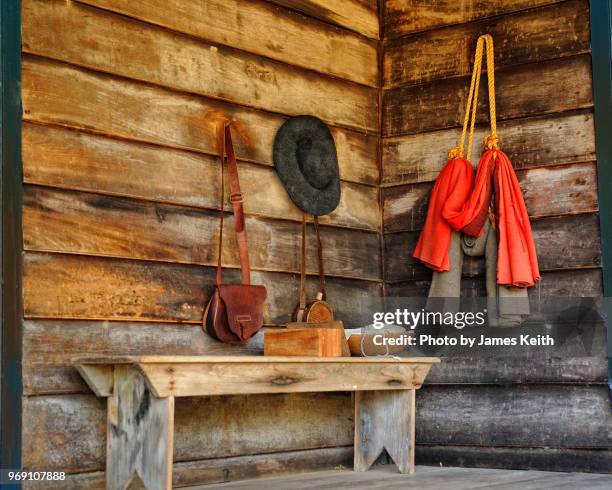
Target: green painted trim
(601,46)
(10,202)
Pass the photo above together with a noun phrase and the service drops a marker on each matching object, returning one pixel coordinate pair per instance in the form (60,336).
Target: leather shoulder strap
(221,141)
(236,200)
(320,259)
(303,271)
(303,264)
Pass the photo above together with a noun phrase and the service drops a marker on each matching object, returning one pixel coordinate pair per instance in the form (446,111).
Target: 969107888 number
(17,475)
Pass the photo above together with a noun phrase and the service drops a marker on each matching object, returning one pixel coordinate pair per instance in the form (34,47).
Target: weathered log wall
(121,185)
(546,413)
(121,101)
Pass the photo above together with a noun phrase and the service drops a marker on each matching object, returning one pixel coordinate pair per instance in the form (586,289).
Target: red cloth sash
(452,188)
(458,204)
(517,262)
(470,218)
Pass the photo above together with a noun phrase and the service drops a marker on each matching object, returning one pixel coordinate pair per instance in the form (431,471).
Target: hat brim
(305,196)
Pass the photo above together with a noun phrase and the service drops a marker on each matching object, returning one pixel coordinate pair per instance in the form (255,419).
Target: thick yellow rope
(473,93)
(491,141)
(477,71)
(472,103)
(484,43)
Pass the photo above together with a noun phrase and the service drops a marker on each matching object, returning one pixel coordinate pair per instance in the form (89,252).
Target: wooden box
(311,341)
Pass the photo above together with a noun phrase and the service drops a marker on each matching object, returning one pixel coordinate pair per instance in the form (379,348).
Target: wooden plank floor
(426,477)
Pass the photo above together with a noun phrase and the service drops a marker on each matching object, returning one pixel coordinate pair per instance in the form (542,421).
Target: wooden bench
(141,392)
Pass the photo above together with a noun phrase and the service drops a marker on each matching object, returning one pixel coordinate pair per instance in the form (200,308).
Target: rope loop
(472,102)
(491,141)
(484,48)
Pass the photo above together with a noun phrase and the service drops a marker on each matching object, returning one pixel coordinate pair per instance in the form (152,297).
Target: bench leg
(384,420)
(140,431)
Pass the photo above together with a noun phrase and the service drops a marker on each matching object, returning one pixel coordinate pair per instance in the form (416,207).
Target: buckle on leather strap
(236,197)
(242,319)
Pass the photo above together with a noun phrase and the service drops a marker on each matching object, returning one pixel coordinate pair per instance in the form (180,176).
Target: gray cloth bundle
(506,306)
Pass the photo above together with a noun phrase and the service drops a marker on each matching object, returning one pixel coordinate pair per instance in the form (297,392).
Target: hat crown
(307,164)
(312,160)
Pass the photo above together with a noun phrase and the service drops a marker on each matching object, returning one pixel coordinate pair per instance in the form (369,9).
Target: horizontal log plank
(275,375)
(72,160)
(573,283)
(537,368)
(261,465)
(586,283)
(220,470)
(555,191)
(79,287)
(530,36)
(440,103)
(60,94)
(548,191)
(67,432)
(532,142)
(102,41)
(471,287)
(407,16)
(533,416)
(518,458)
(77,222)
(243,25)
(357,15)
(570,242)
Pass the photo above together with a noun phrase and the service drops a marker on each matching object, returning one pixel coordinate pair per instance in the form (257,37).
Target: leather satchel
(317,310)
(235,311)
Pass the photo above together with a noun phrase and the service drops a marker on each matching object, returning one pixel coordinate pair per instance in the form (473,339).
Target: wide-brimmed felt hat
(306,161)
